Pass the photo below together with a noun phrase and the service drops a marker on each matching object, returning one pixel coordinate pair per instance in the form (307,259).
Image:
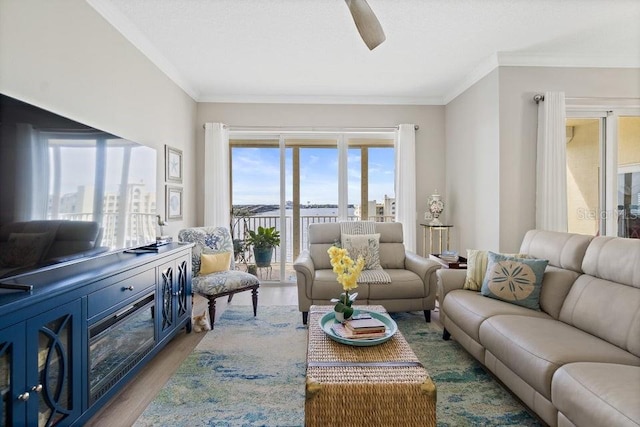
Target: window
(290,181)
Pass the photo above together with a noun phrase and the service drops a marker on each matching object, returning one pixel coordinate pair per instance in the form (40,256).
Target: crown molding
(316,99)
(130,32)
(477,73)
(511,59)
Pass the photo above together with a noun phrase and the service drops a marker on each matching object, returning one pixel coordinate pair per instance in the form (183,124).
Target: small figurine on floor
(200,323)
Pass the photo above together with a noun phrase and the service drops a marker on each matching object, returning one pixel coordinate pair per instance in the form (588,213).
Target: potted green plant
(263,242)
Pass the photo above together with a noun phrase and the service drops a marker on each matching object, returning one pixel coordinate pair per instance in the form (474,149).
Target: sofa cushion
(564,250)
(589,304)
(556,284)
(598,394)
(323,235)
(404,284)
(611,279)
(214,262)
(469,309)
(534,348)
(477,261)
(366,246)
(319,255)
(224,281)
(514,280)
(615,259)
(325,287)
(392,255)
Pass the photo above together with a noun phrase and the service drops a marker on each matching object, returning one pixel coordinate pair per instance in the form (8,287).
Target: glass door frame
(342,144)
(608,147)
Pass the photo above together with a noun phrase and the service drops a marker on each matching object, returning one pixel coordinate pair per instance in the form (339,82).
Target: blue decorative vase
(263,256)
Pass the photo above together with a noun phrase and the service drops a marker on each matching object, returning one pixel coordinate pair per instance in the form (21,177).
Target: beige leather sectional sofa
(577,361)
(413,280)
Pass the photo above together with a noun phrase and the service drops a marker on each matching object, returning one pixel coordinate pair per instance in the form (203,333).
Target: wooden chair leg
(446,335)
(305,317)
(427,316)
(230,298)
(254,299)
(212,310)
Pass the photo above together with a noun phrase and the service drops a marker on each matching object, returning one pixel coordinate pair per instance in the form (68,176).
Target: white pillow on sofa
(365,245)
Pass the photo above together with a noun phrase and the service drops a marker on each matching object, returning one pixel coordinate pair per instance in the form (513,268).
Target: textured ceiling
(310,51)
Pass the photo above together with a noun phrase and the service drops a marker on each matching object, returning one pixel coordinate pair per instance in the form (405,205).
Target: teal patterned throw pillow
(365,245)
(514,280)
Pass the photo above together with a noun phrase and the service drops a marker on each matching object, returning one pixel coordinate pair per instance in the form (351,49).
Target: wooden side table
(443,245)
(460,264)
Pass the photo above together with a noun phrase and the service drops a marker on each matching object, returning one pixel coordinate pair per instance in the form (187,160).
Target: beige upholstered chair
(413,280)
(224,283)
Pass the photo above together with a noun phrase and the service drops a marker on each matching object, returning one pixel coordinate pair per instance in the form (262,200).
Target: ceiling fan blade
(366,22)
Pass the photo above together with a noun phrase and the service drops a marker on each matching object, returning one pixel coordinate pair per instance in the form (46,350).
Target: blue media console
(85,329)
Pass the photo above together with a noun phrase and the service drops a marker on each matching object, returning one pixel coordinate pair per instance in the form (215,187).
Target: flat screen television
(53,168)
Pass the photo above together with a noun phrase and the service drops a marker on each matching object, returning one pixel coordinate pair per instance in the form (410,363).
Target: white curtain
(551,176)
(217,200)
(32,171)
(405,148)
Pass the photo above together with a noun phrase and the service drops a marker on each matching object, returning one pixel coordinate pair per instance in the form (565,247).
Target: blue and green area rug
(251,372)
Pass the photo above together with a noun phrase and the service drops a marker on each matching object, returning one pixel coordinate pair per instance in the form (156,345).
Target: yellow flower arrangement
(348,272)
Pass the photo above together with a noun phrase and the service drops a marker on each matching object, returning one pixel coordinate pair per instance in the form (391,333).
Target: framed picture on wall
(174,203)
(173,163)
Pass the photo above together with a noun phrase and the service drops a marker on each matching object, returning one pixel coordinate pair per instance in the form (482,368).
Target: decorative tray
(329,319)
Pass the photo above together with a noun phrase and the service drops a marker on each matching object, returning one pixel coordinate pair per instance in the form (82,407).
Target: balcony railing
(293,244)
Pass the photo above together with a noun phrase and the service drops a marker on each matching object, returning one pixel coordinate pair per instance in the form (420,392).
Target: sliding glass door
(603,172)
(628,194)
(290,181)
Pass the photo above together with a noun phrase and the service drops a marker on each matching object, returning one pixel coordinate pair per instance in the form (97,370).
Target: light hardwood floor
(125,408)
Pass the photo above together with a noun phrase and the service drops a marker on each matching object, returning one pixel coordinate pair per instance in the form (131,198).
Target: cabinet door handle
(127,288)
(37,388)
(24,396)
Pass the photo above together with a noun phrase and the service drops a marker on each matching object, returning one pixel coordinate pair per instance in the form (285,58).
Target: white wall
(430,138)
(61,55)
(518,123)
(491,147)
(473,177)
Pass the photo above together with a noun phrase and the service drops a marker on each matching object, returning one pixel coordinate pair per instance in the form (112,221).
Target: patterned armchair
(223,283)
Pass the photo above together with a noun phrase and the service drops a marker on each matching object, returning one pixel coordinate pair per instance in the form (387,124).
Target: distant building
(389,206)
(384,211)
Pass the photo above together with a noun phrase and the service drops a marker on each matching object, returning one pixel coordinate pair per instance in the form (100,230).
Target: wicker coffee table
(382,385)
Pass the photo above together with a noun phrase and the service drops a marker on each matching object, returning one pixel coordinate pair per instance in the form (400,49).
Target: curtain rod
(312,129)
(540,97)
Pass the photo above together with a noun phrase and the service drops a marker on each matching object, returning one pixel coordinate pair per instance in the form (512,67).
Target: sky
(256,175)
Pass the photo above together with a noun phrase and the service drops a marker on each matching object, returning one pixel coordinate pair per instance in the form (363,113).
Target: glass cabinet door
(55,378)
(167,314)
(13,399)
(184,291)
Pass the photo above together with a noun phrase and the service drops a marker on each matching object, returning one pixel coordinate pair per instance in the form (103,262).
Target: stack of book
(361,328)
